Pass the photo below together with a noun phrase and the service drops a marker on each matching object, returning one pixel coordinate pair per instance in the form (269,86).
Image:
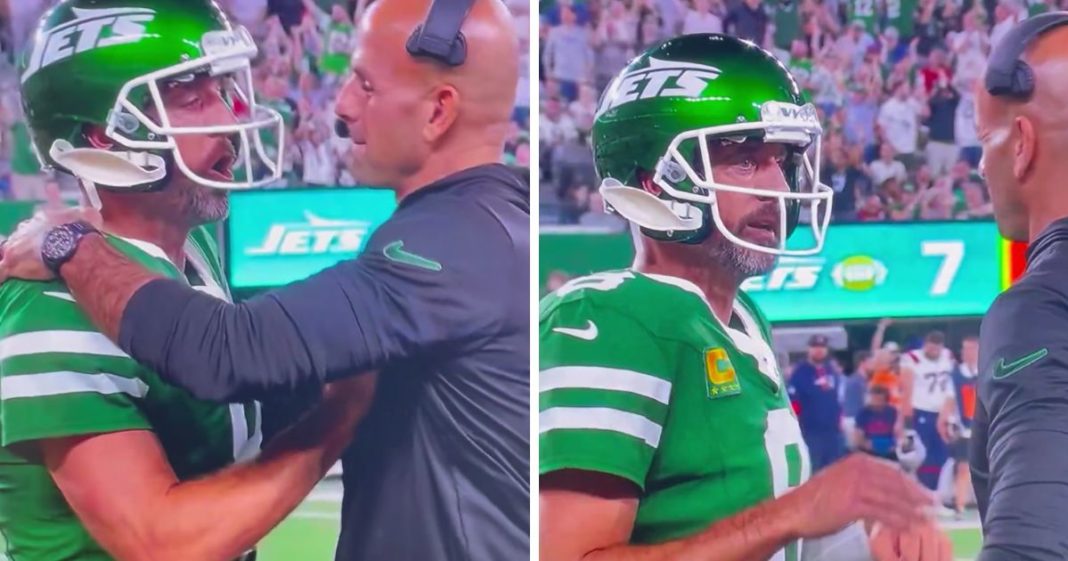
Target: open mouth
(223,168)
(764,231)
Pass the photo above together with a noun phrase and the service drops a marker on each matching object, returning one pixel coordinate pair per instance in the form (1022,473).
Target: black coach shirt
(1019,454)
(439,303)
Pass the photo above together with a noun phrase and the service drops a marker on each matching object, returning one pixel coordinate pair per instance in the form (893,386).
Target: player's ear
(444,112)
(1023,156)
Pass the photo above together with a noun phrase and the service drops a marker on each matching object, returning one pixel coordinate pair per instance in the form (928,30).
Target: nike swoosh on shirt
(395,252)
(588,333)
(1004,370)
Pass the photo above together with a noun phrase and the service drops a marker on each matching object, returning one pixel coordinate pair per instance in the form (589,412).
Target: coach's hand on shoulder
(860,487)
(20,255)
(923,542)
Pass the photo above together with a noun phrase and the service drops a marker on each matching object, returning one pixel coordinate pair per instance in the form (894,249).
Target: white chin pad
(107,168)
(645,209)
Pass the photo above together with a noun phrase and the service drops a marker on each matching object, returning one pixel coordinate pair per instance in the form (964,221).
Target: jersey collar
(192,257)
(750,341)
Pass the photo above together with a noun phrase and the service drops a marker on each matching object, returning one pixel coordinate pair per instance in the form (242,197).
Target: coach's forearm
(754,533)
(223,515)
(102,281)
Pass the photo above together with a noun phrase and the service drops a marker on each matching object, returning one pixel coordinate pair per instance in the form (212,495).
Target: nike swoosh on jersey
(588,333)
(1004,370)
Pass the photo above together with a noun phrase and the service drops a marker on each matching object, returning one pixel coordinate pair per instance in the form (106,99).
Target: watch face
(58,243)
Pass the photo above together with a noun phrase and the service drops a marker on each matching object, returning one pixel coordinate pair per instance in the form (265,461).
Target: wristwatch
(61,242)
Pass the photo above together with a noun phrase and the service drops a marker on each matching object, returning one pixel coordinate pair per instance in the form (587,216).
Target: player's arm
(589,516)
(880,334)
(1024,389)
(944,415)
(123,489)
(907,382)
(414,288)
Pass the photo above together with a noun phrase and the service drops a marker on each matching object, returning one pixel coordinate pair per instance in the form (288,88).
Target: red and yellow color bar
(1013,261)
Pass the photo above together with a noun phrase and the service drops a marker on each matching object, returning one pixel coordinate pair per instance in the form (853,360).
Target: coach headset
(438,38)
(1007,75)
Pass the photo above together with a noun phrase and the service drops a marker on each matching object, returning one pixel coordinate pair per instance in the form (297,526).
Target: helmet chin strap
(91,194)
(118,170)
(645,209)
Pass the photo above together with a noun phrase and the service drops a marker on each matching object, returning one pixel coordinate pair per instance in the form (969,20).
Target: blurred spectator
(844,178)
(976,204)
(875,425)
(700,19)
(1007,13)
(899,119)
(338,34)
(972,40)
(290,12)
(937,72)
(786,23)
(576,201)
(569,54)
(615,38)
(814,386)
(583,109)
(747,20)
(942,149)
(856,386)
(887,166)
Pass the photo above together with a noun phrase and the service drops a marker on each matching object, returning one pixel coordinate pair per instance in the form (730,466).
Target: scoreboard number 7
(952,253)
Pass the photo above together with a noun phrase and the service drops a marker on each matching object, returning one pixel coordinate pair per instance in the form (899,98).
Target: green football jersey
(639,379)
(61,377)
(902,15)
(338,49)
(863,11)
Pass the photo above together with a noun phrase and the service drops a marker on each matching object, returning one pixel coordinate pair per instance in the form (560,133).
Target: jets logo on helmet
(91,29)
(660,78)
(88,66)
(660,122)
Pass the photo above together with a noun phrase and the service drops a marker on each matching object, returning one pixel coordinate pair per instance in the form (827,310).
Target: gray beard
(742,262)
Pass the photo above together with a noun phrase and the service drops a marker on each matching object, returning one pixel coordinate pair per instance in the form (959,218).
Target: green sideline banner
(274,237)
(939,269)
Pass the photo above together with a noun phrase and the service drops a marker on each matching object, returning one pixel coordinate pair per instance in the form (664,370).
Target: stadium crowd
(892,80)
(304,57)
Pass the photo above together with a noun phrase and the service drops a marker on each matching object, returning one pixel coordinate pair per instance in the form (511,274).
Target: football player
(666,429)
(926,383)
(149,104)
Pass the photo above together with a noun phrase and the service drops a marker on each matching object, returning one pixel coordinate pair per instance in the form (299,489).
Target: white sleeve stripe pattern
(600,418)
(63,383)
(601,378)
(77,342)
(60,295)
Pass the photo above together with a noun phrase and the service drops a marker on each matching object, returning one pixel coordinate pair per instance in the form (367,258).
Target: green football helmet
(658,118)
(104,62)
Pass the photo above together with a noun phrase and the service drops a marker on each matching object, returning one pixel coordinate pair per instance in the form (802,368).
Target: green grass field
(310,532)
(966,543)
